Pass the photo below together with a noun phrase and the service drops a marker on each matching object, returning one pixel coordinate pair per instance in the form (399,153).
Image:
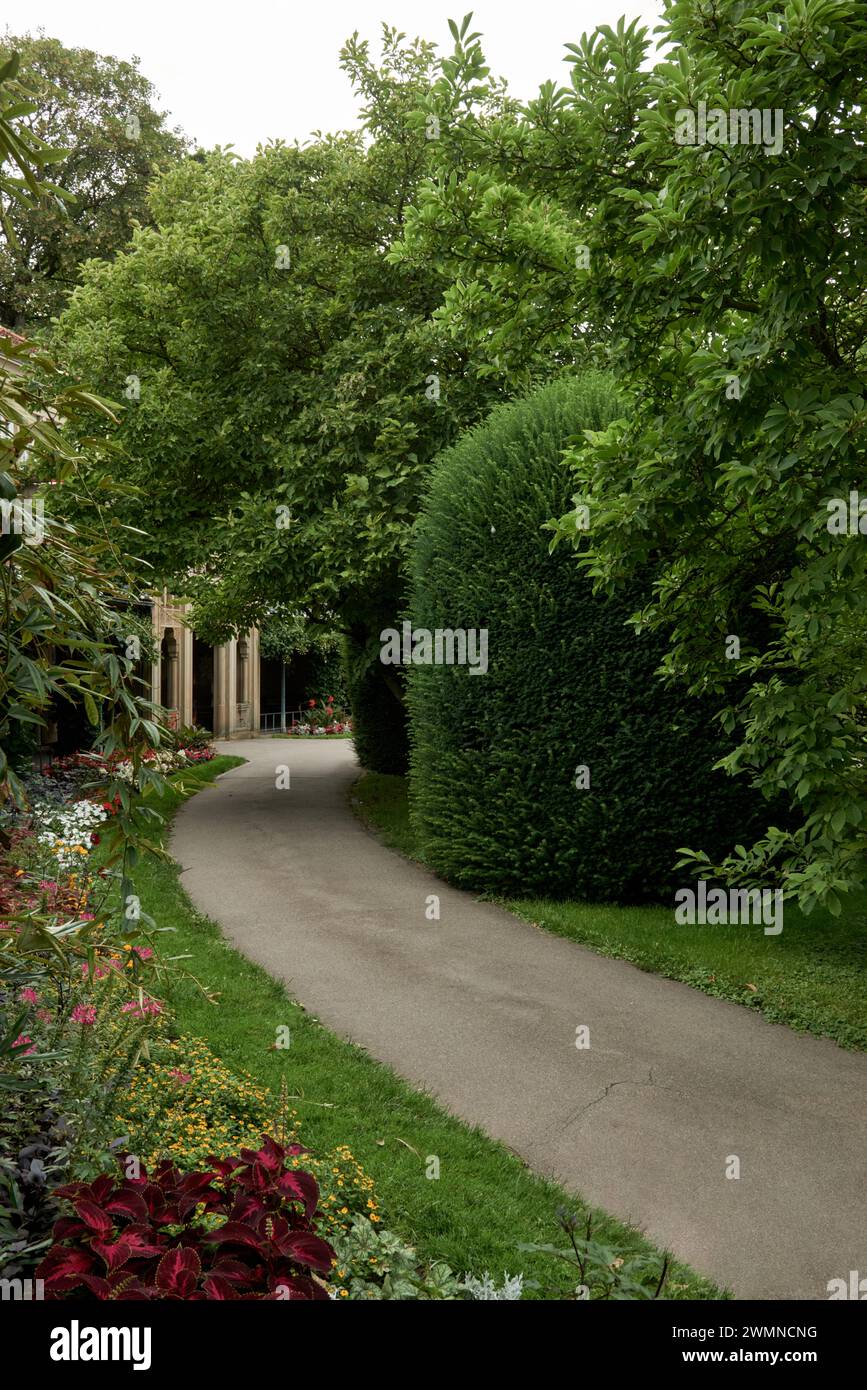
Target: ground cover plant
(241,1228)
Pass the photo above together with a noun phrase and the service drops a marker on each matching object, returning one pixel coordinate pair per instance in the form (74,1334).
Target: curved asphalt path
(482,1008)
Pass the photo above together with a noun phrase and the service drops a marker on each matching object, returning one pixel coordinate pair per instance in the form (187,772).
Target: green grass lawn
(813,976)
(486,1200)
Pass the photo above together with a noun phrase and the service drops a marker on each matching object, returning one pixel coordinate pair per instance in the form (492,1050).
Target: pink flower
(150,1006)
(21,1040)
(28,996)
(143,952)
(44,1015)
(183,1077)
(84,1014)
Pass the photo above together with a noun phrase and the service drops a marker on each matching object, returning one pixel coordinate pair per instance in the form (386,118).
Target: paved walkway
(482,1008)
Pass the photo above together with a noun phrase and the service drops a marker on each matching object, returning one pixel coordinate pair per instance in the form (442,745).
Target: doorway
(203,684)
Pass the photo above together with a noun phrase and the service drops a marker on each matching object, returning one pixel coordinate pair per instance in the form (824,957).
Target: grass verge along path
(812,977)
(486,1201)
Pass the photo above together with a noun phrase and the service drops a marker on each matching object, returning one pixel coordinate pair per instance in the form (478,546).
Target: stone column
(174,683)
(158,622)
(255,683)
(222,691)
(186,675)
(242,684)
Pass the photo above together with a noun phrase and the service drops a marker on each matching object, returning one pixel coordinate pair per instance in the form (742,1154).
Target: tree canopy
(66,591)
(300,334)
(285,384)
(723,280)
(97,114)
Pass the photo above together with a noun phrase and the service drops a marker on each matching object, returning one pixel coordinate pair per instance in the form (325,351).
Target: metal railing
(271,723)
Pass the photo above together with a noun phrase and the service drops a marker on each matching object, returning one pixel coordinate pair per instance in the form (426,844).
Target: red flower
(311,704)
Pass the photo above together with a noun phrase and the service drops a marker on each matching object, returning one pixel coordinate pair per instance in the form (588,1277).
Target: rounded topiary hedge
(493,757)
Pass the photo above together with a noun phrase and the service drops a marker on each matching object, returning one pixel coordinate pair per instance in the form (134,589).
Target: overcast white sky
(245,72)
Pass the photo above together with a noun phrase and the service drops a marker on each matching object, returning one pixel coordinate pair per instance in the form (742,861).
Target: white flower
(66,830)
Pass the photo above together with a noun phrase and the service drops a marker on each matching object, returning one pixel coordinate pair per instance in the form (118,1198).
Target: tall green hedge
(494,756)
(379,719)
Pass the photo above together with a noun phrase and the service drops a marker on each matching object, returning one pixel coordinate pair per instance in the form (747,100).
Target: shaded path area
(482,1009)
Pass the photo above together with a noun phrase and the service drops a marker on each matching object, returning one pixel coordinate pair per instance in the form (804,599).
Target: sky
(244,73)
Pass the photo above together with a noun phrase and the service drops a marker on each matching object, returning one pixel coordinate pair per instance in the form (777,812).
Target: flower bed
(184,1104)
(79,989)
(93,1070)
(241,1228)
(322,717)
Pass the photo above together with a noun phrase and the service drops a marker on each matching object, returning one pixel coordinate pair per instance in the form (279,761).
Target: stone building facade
(218,688)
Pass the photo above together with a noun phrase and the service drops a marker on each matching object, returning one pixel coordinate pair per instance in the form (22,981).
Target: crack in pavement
(579,1111)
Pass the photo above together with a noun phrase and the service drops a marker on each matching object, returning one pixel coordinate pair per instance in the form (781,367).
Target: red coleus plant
(162,1236)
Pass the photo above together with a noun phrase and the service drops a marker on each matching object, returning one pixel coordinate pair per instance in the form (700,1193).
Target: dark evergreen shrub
(379,721)
(494,756)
